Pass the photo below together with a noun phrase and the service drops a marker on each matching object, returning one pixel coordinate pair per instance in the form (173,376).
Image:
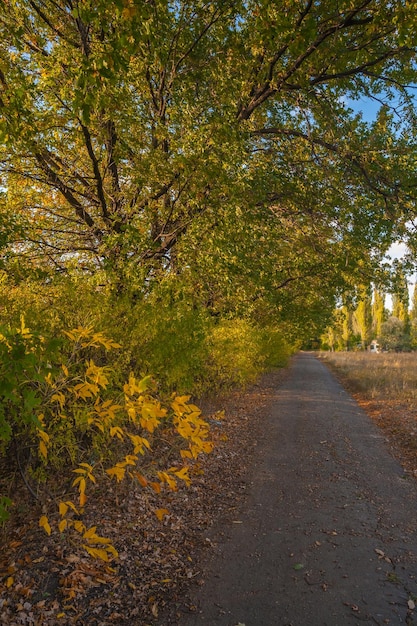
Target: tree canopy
(217,144)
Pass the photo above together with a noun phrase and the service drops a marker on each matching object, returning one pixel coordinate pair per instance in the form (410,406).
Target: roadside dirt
(324,530)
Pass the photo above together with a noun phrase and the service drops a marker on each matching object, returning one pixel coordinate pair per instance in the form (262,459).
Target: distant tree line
(367,318)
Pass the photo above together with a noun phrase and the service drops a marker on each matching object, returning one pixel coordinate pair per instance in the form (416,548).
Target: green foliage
(24,362)
(395,335)
(208,143)
(5,504)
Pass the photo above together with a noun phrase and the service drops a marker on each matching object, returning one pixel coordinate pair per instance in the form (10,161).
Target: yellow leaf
(43,435)
(43,523)
(79,526)
(112,551)
(83,498)
(48,379)
(183,475)
(80,481)
(97,553)
(71,506)
(169,480)
(93,538)
(86,390)
(160,513)
(139,443)
(58,397)
(43,450)
(130,459)
(116,431)
(62,525)
(87,466)
(116,471)
(90,532)
(65,369)
(9,582)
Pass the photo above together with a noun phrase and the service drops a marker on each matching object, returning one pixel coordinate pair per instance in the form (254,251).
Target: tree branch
(68,195)
(96,169)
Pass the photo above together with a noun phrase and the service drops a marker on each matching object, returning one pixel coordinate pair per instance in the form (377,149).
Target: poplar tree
(378,312)
(363,315)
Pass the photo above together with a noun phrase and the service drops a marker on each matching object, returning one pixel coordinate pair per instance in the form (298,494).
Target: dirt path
(327,534)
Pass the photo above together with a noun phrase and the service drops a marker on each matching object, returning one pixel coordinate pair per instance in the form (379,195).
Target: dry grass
(386,376)
(385,386)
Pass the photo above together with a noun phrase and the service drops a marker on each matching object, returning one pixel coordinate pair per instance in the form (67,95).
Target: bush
(68,413)
(238,352)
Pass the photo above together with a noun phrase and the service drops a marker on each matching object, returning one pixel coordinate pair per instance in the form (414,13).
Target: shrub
(69,413)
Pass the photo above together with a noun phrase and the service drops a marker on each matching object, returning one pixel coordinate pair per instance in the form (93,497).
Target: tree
(393,336)
(363,316)
(206,142)
(413,318)
(378,311)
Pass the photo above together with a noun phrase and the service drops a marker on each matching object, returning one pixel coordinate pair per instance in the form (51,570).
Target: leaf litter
(48,580)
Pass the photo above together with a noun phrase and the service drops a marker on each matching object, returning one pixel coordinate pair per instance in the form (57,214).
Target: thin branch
(47,21)
(96,169)
(68,195)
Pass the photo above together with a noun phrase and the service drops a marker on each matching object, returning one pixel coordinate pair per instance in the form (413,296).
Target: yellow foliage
(44,440)
(62,525)
(97,553)
(88,338)
(116,471)
(131,415)
(97,374)
(139,444)
(60,398)
(118,432)
(164,477)
(44,523)
(160,513)
(182,473)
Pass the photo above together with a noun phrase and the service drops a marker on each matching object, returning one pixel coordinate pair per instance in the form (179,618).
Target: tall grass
(386,376)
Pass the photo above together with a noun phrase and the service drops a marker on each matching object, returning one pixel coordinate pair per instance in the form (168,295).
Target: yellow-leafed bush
(238,352)
(69,413)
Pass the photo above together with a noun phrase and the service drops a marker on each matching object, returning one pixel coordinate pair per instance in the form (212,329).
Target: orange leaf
(141,479)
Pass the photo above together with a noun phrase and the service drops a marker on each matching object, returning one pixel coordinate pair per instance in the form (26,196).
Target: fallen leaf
(298,566)
(160,513)
(43,523)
